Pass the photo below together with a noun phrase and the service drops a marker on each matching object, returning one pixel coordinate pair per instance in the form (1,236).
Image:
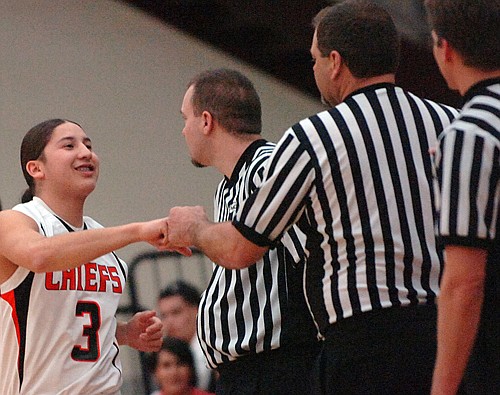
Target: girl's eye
(69,146)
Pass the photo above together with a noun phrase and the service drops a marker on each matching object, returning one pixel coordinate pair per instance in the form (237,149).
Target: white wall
(121,74)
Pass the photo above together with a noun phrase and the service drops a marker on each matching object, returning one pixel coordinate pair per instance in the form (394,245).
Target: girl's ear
(34,169)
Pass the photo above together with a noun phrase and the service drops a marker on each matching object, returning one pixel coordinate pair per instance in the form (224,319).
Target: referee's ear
(336,62)
(208,122)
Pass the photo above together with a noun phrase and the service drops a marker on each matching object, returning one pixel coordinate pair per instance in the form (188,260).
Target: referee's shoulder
(446,107)
(437,106)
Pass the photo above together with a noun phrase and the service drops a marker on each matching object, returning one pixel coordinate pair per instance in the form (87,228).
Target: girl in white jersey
(60,282)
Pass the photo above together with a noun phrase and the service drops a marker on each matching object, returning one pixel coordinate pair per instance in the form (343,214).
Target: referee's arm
(459,311)
(221,242)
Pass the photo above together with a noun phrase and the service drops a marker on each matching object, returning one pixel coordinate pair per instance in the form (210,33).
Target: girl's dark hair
(32,147)
(180,349)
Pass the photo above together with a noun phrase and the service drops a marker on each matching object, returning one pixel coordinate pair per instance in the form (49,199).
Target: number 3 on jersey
(92,351)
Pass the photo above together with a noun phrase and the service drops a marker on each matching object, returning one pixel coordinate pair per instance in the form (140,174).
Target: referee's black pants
(284,371)
(390,351)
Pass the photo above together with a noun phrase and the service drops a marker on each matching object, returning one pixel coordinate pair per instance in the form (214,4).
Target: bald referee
(357,180)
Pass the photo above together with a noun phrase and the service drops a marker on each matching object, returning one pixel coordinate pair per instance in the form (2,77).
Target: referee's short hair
(363,33)
(472,27)
(230,97)
(181,288)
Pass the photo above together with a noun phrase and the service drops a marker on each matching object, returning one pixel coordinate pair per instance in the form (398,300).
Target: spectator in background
(177,308)
(174,370)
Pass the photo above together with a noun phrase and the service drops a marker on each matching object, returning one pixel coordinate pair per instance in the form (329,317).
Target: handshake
(177,232)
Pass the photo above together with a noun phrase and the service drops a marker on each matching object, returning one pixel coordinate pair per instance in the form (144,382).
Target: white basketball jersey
(57,330)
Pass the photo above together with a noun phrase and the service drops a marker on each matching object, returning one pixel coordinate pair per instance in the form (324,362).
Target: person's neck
(467,77)
(68,209)
(230,151)
(354,84)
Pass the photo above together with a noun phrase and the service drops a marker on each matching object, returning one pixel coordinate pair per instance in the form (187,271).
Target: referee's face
(321,67)
(193,129)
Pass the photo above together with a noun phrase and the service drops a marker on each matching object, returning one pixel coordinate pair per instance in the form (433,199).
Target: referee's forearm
(226,246)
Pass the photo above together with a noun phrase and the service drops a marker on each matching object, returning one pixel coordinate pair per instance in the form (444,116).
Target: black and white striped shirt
(359,178)
(260,308)
(468,172)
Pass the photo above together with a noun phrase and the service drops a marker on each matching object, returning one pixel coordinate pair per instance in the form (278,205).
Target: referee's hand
(183,225)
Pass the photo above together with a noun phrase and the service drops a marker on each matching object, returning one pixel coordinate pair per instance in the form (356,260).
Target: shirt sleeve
(280,199)
(467,166)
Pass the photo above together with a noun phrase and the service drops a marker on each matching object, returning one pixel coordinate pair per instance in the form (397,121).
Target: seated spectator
(177,308)
(173,369)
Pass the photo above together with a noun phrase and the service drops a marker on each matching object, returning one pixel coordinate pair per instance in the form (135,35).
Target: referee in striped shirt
(253,323)
(357,179)
(468,173)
